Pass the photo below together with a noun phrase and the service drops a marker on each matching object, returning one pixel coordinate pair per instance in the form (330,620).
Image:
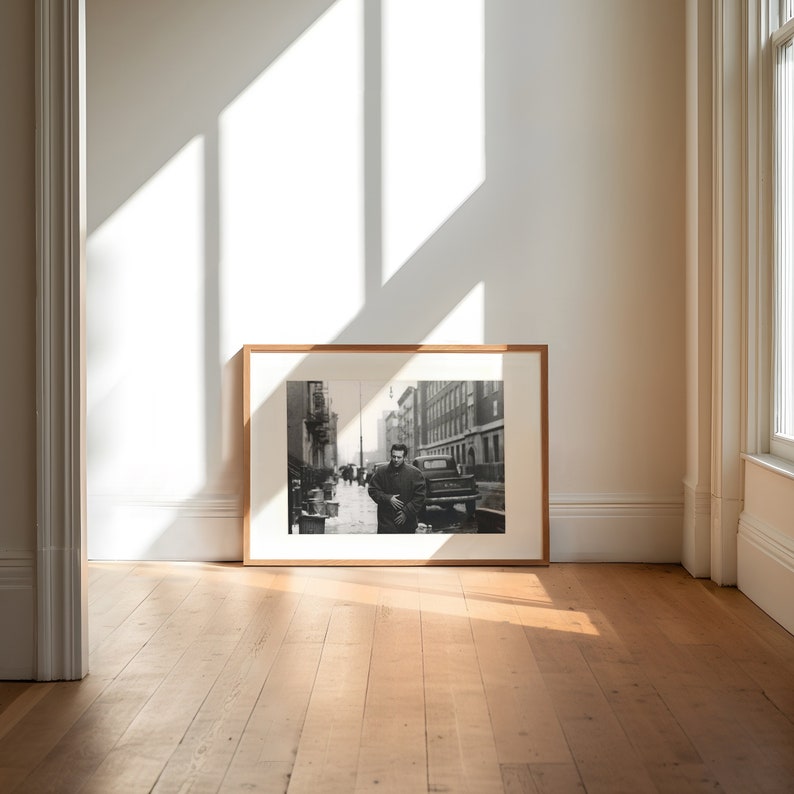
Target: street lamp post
(360,431)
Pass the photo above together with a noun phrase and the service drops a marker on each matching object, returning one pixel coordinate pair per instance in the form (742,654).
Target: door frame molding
(61,630)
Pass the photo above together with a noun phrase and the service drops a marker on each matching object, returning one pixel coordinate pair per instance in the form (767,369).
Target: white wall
(17,340)
(397,172)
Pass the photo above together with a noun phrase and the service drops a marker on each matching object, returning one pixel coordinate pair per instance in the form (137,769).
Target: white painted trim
(201,506)
(696,551)
(616,503)
(783,33)
(155,527)
(61,628)
(17,581)
(614,527)
(757,375)
(766,568)
(16,569)
(778,546)
(785,468)
(729,229)
(696,544)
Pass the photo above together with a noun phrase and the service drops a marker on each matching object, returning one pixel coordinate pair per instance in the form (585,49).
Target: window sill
(784,468)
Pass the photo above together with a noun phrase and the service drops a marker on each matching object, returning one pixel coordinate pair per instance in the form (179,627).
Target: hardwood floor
(597,678)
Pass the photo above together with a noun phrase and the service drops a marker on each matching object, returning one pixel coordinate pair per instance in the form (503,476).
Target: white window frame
(782,44)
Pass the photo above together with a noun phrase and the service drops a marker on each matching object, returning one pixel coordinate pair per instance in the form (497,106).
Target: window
(783,386)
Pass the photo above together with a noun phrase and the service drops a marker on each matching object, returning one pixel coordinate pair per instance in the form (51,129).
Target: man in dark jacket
(399,491)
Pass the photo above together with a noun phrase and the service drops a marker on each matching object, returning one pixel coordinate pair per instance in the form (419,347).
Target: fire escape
(318,422)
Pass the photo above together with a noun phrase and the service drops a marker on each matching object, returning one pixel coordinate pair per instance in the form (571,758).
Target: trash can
(332,509)
(311,524)
(489,521)
(316,502)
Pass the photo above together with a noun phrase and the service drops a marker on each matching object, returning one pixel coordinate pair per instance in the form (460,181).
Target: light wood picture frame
(484,405)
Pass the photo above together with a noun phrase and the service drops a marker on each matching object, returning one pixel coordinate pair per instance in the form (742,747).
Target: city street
(357,513)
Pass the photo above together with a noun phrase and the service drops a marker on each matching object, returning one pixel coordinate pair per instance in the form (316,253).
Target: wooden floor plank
(681,664)
(328,754)
(17,698)
(575,677)
(393,752)
(604,755)
(517,779)
(461,751)
(144,706)
(541,779)
(656,736)
(556,778)
(202,759)
(265,752)
(522,715)
(138,626)
(122,595)
(24,749)
(42,748)
(106,577)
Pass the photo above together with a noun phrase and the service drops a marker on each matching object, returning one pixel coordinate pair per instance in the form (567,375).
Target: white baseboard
(696,546)
(616,528)
(583,528)
(766,568)
(193,528)
(17,617)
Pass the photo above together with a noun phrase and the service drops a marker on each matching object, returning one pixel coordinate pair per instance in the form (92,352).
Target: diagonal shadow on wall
(178,98)
(162,74)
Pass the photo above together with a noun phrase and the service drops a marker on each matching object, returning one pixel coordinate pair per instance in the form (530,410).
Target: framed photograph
(396,454)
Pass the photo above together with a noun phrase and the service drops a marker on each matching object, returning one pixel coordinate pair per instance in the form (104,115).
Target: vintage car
(373,467)
(445,485)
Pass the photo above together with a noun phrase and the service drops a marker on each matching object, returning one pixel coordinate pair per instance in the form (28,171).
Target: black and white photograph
(397,457)
(395,454)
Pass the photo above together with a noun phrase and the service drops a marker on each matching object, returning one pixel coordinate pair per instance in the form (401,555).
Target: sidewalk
(357,512)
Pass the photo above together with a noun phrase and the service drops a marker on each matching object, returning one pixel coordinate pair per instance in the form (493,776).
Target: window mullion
(784,260)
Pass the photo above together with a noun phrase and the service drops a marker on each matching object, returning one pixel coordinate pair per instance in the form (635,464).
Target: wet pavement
(357,513)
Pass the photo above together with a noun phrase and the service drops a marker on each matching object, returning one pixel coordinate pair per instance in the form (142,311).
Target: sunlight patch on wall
(291,177)
(463,325)
(144,336)
(433,118)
